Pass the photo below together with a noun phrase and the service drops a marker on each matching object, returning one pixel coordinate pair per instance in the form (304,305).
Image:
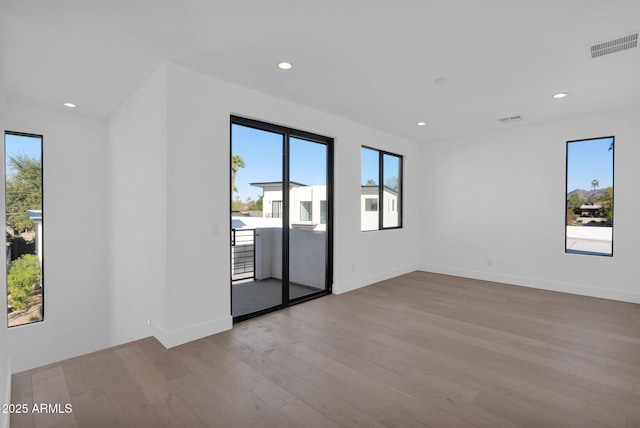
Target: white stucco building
(308,204)
(369,206)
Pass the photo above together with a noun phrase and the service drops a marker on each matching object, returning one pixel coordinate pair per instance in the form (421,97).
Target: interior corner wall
(199,109)
(74,211)
(137,165)
(5,360)
(494,208)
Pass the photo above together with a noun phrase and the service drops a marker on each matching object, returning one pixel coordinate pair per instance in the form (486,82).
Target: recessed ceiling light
(560,95)
(285,66)
(422,123)
(70,105)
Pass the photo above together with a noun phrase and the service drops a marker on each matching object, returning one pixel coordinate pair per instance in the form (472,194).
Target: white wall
(307,256)
(268,248)
(74,217)
(198,279)
(479,194)
(137,169)
(169,153)
(133,191)
(5,361)
(199,109)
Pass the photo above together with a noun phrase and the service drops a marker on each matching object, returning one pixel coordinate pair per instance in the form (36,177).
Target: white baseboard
(188,334)
(563,287)
(344,287)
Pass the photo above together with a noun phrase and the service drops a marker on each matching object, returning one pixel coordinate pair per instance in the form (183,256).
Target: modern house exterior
(308,204)
(369,207)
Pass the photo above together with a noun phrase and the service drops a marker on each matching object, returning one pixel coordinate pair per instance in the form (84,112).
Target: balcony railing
(243,254)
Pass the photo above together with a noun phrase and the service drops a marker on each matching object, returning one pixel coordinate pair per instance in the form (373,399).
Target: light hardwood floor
(420,350)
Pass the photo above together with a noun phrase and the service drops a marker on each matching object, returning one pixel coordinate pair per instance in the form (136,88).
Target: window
(589,197)
(371,204)
(306,211)
(323,212)
(24,228)
(276,209)
(381,190)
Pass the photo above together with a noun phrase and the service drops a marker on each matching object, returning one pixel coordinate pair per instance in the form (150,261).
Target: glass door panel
(308,166)
(256,220)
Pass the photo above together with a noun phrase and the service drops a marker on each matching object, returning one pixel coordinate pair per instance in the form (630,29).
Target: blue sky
(262,154)
(370,166)
(588,160)
(18,144)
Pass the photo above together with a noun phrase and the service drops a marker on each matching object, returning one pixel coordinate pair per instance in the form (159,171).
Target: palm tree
(594,185)
(236,163)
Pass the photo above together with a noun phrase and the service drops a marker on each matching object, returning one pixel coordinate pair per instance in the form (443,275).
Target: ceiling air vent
(616,45)
(509,119)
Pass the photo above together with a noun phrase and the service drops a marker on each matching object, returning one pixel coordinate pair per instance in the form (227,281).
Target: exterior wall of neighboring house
(368,201)
(312,194)
(315,195)
(589,210)
(369,216)
(306,238)
(390,207)
(272,192)
(36,216)
(299,194)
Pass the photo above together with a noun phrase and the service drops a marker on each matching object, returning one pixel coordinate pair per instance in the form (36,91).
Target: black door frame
(288,133)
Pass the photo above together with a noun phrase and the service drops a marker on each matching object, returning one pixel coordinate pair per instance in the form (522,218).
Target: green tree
(23,276)
(607,203)
(237,205)
(23,190)
(370,182)
(392,182)
(256,205)
(573,207)
(236,163)
(594,186)
(574,202)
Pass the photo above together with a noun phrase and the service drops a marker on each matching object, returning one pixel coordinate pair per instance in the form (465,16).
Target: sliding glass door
(308,241)
(280,217)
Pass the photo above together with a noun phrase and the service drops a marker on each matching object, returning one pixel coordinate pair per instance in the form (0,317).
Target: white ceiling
(370,61)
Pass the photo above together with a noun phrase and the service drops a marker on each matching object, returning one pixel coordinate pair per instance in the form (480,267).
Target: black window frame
(381,205)
(42,200)
(566,204)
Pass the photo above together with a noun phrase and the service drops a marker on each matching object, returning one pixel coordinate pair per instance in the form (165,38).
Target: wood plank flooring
(420,350)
